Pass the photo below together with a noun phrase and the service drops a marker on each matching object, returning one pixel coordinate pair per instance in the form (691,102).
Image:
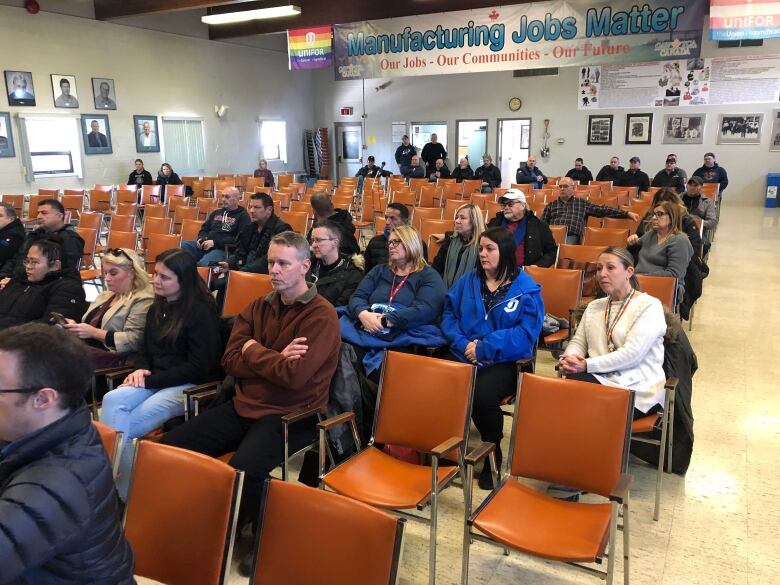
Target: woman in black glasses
(113,325)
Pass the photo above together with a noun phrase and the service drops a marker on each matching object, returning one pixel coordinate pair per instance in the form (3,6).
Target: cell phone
(58,318)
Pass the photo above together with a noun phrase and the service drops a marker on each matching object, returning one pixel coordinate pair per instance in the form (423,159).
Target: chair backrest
(480,200)
(605,236)
(222,184)
(127,187)
(299,221)
(73,202)
(710,190)
(189,228)
(124,223)
(422,401)
(580,253)
(571,433)
(183,212)
(561,288)
(112,443)
(253,183)
(435,226)
(155,210)
(123,196)
(426,195)
(450,207)
(150,194)
(491,209)
(103,188)
(175,191)
(156,225)
(471,185)
(355,542)
(49,193)
(342,201)
(35,200)
(622,223)
(605,185)
(664,288)
(558,233)
(89,236)
(537,207)
(121,239)
(594,221)
(181,515)
(126,208)
(91,219)
(16,201)
(283,180)
(242,289)
(156,245)
(421,213)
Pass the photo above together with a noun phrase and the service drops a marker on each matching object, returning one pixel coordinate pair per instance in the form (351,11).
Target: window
(420,133)
(53,148)
(184,147)
(273,140)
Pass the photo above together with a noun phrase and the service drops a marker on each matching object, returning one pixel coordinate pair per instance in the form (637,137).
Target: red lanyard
(620,313)
(394,289)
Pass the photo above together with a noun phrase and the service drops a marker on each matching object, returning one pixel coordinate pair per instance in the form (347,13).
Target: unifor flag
(733,20)
(310,48)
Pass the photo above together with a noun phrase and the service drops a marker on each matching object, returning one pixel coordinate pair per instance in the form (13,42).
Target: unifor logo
(310,38)
(511,306)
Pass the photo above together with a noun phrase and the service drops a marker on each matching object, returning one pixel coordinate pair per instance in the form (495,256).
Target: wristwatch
(383,320)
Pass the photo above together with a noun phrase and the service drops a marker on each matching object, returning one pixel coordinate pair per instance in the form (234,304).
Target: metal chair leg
(661,455)
(464,571)
(612,543)
(434,518)
(670,422)
(626,543)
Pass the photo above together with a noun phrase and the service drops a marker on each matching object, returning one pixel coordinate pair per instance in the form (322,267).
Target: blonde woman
(114,323)
(459,250)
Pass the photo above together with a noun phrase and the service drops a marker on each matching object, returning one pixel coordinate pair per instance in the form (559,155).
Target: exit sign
(346,111)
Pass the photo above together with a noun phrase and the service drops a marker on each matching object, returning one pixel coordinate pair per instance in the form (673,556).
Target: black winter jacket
(222,226)
(251,254)
(540,246)
(583,176)
(59,510)
(460,174)
(343,219)
(490,175)
(607,173)
(193,358)
(67,236)
(338,283)
(22,301)
(11,240)
(142,178)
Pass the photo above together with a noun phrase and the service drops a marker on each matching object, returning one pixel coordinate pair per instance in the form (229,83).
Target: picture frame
(639,128)
(20,88)
(740,128)
(684,128)
(6,136)
(147,137)
(63,89)
(774,137)
(104,93)
(600,129)
(96,134)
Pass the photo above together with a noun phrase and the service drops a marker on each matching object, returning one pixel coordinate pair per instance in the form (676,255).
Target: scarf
(461,258)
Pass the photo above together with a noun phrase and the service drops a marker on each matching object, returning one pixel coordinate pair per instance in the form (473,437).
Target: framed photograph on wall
(639,128)
(63,88)
(104,92)
(740,128)
(19,85)
(600,129)
(774,137)
(96,134)
(146,136)
(6,136)
(684,128)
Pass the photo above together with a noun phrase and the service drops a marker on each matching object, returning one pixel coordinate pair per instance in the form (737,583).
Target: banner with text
(310,48)
(692,82)
(538,34)
(734,20)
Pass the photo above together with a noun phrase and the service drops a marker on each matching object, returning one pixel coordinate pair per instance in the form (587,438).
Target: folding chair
(664,288)
(156,245)
(242,289)
(299,222)
(561,291)
(605,237)
(424,404)
(181,515)
(355,543)
(155,225)
(123,223)
(554,439)
(423,213)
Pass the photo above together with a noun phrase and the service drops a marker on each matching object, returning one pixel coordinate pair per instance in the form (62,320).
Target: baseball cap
(512,195)
(712,154)
(697,180)
(671,159)
(634,159)
(371,157)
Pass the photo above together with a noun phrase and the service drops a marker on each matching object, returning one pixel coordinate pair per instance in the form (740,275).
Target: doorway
(420,135)
(471,141)
(349,149)
(514,146)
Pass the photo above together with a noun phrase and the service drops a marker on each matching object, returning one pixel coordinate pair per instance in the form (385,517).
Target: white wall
(154,73)
(485,95)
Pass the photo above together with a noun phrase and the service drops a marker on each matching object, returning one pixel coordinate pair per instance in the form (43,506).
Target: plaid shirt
(572,214)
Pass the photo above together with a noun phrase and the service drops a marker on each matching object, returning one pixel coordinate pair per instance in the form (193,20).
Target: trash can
(772,187)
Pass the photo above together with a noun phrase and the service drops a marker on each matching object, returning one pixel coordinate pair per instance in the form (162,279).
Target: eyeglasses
(509,203)
(393,243)
(28,390)
(659,214)
(320,240)
(119,252)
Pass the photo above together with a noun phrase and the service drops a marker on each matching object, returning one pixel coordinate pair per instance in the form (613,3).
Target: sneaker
(485,479)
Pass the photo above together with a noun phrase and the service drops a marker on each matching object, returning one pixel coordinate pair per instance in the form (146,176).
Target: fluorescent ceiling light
(246,15)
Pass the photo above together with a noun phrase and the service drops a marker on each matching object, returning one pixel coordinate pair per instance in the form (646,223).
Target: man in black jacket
(140,176)
(59,510)
(336,275)
(535,243)
(376,251)
(580,172)
(322,205)
(219,230)
(529,173)
(489,174)
(404,153)
(51,222)
(11,234)
(432,152)
(634,176)
(440,171)
(611,172)
(463,171)
(669,176)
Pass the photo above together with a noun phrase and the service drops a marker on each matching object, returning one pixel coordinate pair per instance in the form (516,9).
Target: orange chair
(73,203)
(89,235)
(172,191)
(664,288)
(558,233)
(112,442)
(423,213)
(561,291)
(242,289)
(554,440)
(190,228)
(423,404)
(491,209)
(123,196)
(15,201)
(49,193)
(155,225)
(355,542)
(121,239)
(341,201)
(91,220)
(435,226)
(451,207)
(176,497)
(299,221)
(605,185)
(123,223)
(156,245)
(205,206)
(181,213)
(434,245)
(480,200)
(253,183)
(150,194)
(283,180)
(621,223)
(426,195)
(35,200)
(594,221)
(605,237)
(470,186)
(155,210)
(581,253)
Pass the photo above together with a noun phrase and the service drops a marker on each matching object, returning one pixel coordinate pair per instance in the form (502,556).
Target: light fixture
(247,15)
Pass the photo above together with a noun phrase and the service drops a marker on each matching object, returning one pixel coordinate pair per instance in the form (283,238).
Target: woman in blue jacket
(492,317)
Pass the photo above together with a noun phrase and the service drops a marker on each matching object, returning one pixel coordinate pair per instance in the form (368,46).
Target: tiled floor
(721,522)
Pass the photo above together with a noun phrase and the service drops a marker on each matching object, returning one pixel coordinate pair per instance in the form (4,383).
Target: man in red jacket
(282,352)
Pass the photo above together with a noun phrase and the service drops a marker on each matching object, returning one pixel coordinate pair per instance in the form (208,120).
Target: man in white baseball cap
(534,240)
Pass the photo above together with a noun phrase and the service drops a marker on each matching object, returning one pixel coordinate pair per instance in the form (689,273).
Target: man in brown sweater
(282,352)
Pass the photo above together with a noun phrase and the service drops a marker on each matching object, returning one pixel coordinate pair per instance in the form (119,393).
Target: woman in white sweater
(620,338)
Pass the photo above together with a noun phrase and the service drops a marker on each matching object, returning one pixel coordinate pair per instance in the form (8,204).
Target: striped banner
(310,48)
(733,20)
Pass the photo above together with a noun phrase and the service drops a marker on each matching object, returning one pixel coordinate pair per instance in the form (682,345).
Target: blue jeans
(572,239)
(203,257)
(136,412)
